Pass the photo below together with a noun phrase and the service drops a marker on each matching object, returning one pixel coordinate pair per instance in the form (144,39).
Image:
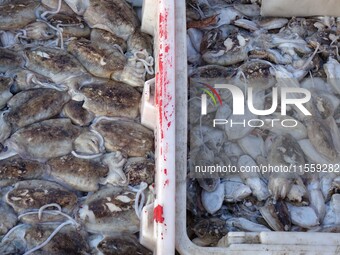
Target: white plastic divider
(236,243)
(159,19)
(147,108)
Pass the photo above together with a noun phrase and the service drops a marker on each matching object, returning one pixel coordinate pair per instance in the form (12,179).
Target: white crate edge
(158,19)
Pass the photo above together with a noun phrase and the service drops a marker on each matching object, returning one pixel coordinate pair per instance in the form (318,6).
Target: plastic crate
(163,224)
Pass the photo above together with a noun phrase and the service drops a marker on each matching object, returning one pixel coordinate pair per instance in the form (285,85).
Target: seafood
(80,174)
(235,190)
(317,201)
(246,225)
(112,99)
(138,169)
(321,138)
(68,240)
(5,128)
(100,63)
(126,136)
(33,194)
(9,60)
(30,238)
(115,162)
(22,11)
(31,106)
(285,151)
(139,41)
(69,26)
(253,180)
(74,158)
(105,40)
(303,216)
(53,5)
(107,209)
(78,6)
(89,142)
(16,169)
(75,111)
(8,218)
(252,145)
(54,63)
(332,211)
(43,140)
(231,46)
(37,31)
(118,244)
(209,231)
(114,16)
(5,93)
(276,176)
(212,201)
(276,215)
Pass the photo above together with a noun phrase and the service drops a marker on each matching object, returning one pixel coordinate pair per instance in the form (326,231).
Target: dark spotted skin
(110,210)
(101,63)
(113,99)
(129,137)
(17,14)
(67,241)
(75,26)
(56,64)
(78,115)
(40,104)
(101,210)
(9,60)
(47,139)
(80,174)
(17,169)
(114,16)
(105,40)
(5,94)
(33,194)
(140,170)
(122,245)
(211,230)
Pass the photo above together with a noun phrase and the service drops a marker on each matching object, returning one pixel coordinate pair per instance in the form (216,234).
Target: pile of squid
(75,162)
(229,42)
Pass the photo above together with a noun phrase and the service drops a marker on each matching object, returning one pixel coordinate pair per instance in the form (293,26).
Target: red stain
(169,124)
(167,48)
(165,171)
(158,214)
(163,24)
(166,182)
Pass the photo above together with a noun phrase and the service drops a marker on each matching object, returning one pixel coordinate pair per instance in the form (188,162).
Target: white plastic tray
(171,155)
